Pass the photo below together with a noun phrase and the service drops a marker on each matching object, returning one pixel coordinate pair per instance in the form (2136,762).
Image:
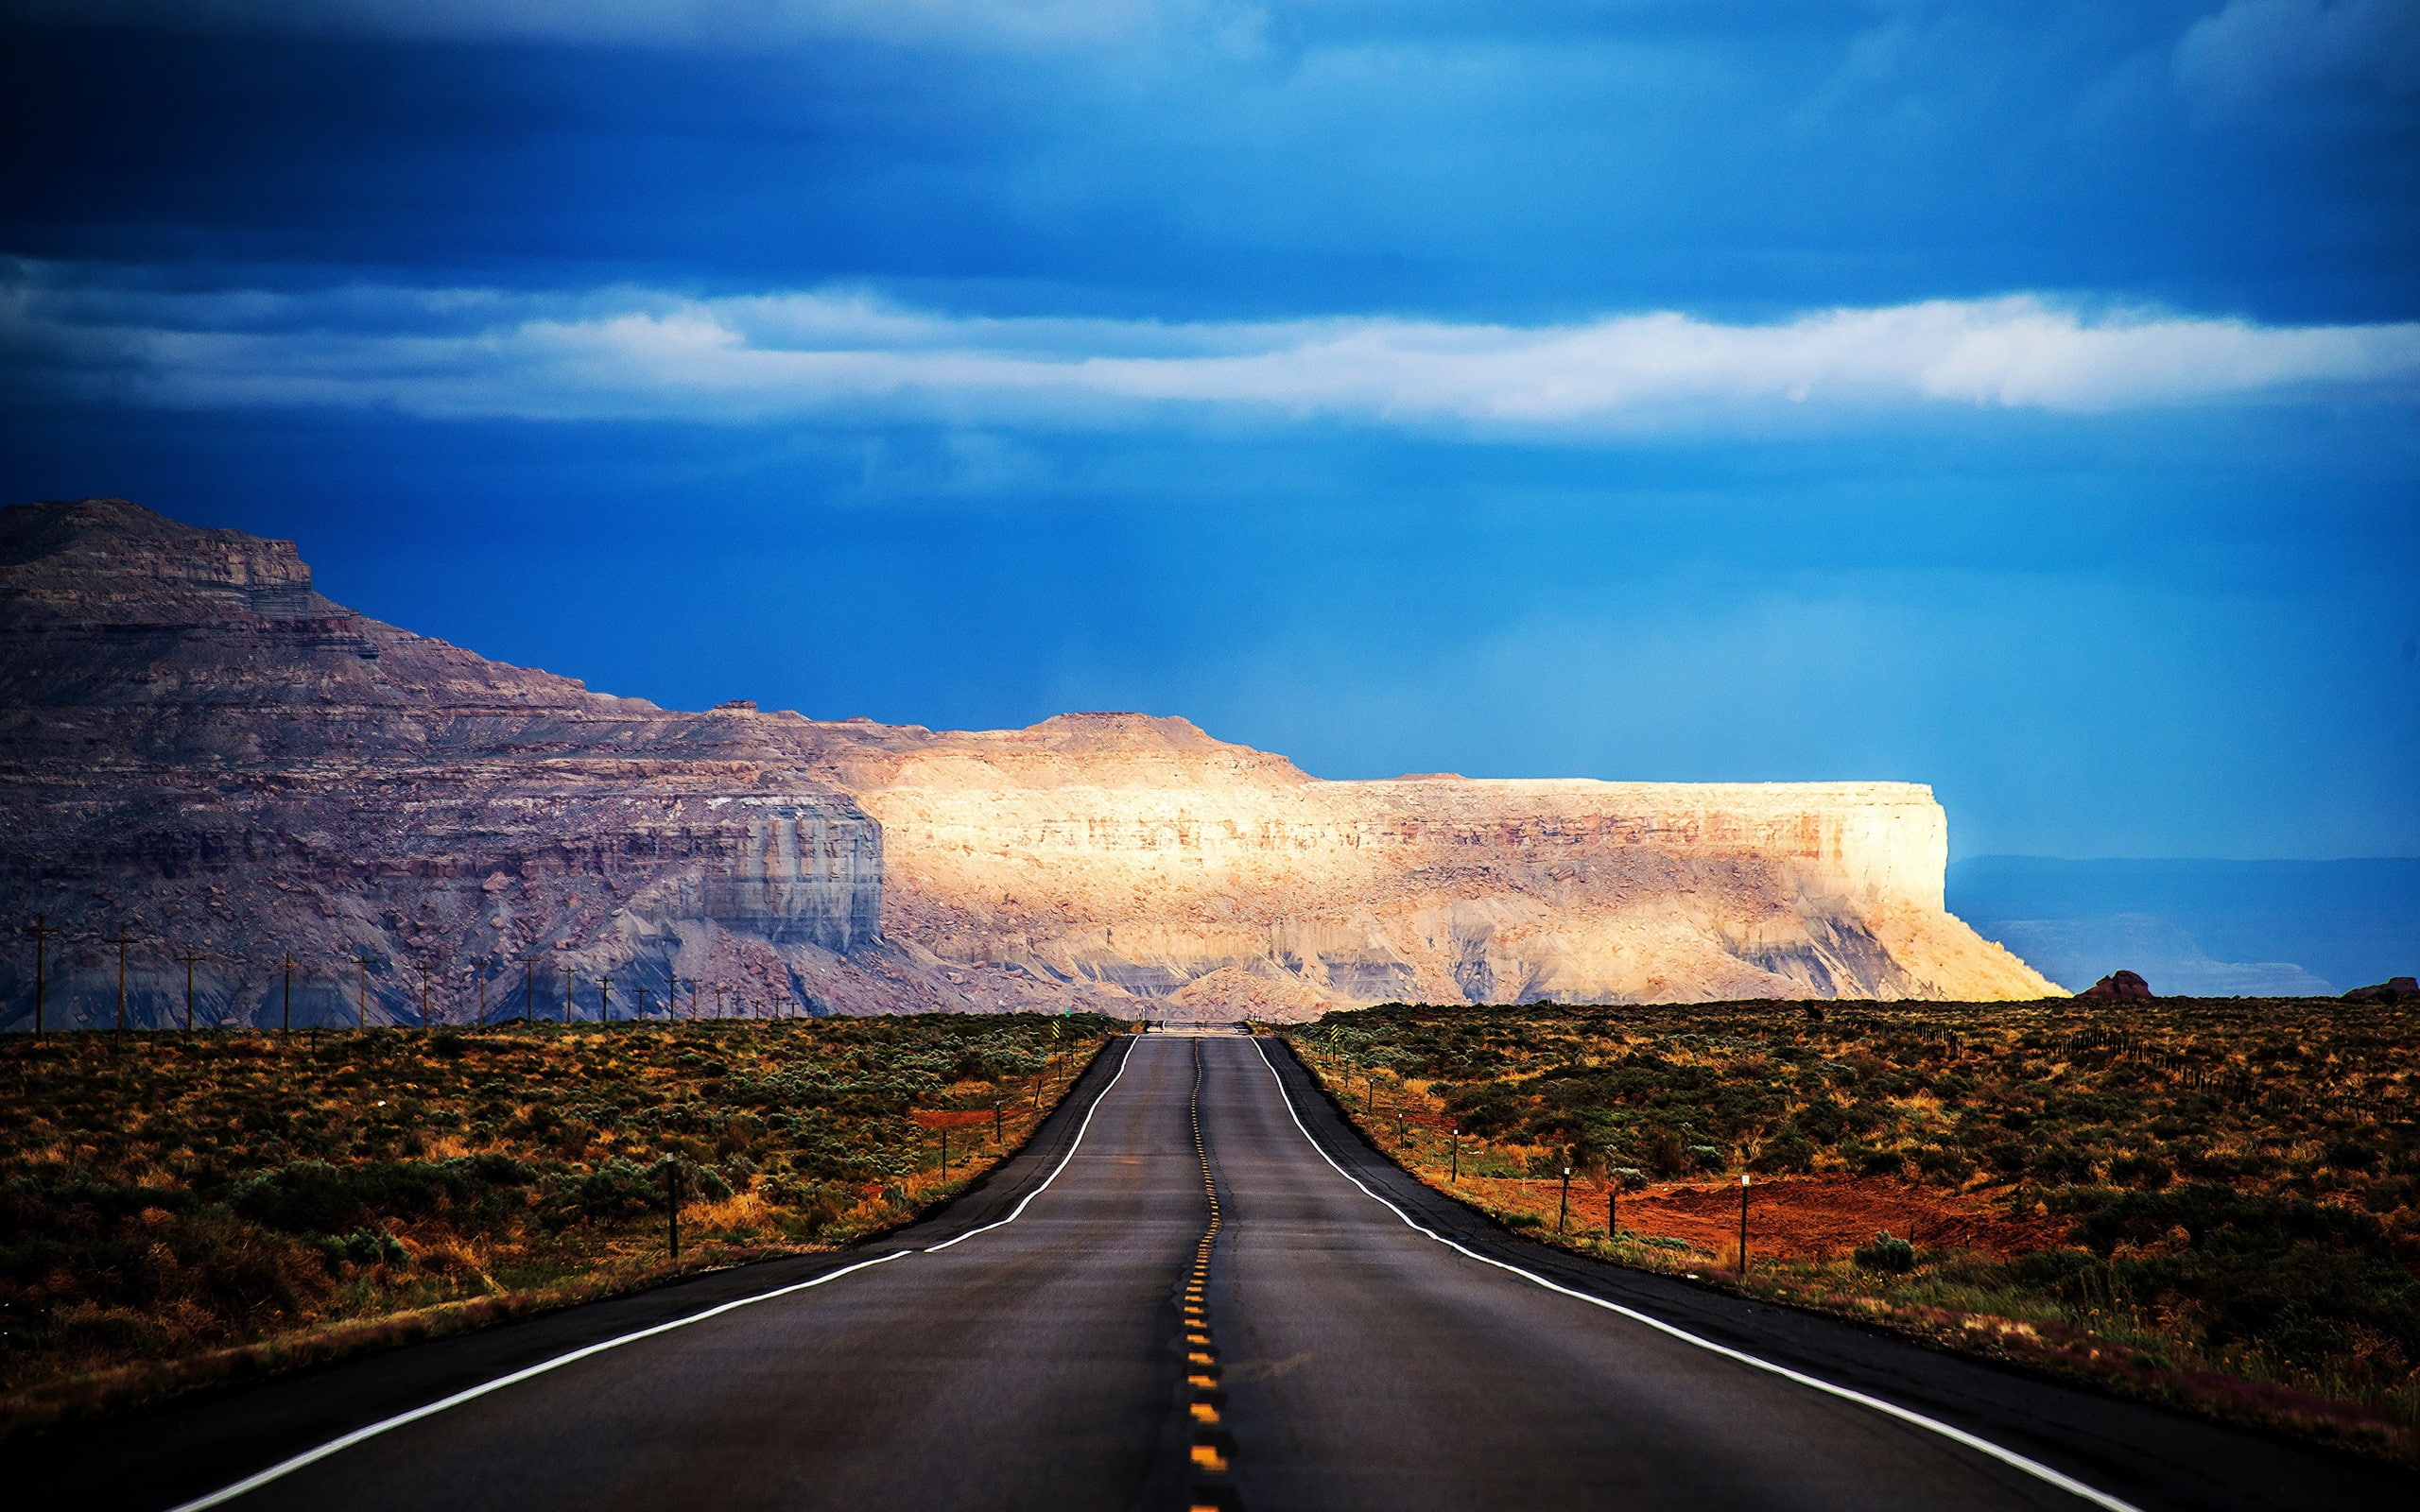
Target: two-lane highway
(1379,1346)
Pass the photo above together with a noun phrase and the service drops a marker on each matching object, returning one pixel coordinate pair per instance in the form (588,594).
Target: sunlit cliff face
(1213,879)
(197,747)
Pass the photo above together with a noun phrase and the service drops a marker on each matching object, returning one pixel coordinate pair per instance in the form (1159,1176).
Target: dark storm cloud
(2013,396)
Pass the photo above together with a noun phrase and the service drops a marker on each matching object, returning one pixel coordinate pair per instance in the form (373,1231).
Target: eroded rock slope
(199,748)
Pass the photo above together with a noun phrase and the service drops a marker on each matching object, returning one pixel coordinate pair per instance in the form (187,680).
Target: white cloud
(637,353)
(2254,52)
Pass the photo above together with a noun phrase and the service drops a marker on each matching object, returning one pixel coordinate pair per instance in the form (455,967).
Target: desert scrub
(198,1193)
(2166,1196)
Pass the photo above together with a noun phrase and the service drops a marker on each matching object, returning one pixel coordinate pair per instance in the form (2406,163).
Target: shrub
(364,1247)
(1886,1252)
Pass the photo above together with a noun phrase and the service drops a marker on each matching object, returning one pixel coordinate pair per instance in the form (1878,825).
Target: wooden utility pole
(288,1020)
(122,941)
(361,1001)
(642,1003)
(423,999)
(480,971)
(41,929)
(190,961)
(569,978)
(529,986)
(605,998)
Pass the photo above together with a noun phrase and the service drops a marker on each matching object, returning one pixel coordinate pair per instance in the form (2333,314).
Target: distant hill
(2204,927)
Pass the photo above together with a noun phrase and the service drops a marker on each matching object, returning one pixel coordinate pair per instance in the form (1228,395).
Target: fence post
(1743,1225)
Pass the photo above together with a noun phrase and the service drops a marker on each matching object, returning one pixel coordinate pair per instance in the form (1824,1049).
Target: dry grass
(197,1208)
(2215,1204)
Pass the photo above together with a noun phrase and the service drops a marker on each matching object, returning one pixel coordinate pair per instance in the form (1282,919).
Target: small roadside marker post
(1563,1207)
(1613,1207)
(672,1206)
(1457,1176)
(944,1152)
(995,1120)
(1743,1225)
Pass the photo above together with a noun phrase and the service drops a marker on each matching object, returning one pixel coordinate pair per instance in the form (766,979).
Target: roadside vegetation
(2212,1203)
(196,1208)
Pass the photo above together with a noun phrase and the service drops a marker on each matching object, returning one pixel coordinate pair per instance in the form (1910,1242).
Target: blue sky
(2017,397)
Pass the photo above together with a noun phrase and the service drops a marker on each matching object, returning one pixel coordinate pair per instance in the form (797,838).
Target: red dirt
(1798,1218)
(955,1118)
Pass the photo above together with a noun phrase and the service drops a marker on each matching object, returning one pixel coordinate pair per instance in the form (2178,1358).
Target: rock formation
(197,747)
(2127,985)
(2394,989)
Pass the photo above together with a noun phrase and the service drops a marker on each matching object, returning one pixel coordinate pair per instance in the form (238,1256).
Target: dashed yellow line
(1214,1447)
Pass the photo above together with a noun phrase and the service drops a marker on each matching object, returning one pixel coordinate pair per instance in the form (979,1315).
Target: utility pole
(480,971)
(569,977)
(123,940)
(423,1000)
(41,929)
(190,961)
(361,1002)
(529,986)
(642,1003)
(605,998)
(289,991)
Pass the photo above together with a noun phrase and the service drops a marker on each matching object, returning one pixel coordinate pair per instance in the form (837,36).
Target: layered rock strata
(197,748)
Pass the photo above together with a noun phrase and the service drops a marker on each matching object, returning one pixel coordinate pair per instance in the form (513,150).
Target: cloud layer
(637,353)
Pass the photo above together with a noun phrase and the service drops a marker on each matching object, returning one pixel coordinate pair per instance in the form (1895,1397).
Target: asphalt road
(1041,1363)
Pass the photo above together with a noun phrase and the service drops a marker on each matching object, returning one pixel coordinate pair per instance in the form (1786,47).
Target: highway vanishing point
(1196,1287)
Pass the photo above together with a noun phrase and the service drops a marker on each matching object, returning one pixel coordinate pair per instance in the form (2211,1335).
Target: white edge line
(1073,1145)
(1982,1446)
(337,1446)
